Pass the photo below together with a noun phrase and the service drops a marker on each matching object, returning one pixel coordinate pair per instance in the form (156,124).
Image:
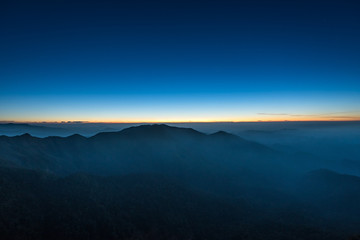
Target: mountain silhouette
(13,129)
(162,182)
(113,151)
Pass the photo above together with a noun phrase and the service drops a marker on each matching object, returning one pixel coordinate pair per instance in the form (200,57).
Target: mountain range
(162,182)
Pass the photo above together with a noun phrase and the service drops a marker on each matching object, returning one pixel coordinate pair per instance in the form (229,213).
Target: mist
(212,181)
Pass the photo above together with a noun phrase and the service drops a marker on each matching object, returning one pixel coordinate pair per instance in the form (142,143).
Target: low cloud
(323,115)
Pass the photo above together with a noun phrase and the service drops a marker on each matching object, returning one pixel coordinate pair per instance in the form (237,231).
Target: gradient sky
(142,61)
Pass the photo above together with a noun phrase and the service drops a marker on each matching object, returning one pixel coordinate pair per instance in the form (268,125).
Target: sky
(179,61)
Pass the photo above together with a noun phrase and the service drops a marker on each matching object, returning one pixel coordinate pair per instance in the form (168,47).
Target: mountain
(13,129)
(39,205)
(162,182)
(154,148)
(333,195)
(182,153)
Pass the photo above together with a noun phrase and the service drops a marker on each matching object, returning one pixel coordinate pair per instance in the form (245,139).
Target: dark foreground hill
(37,205)
(161,182)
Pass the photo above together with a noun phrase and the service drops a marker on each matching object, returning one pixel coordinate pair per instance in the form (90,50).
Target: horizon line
(165,122)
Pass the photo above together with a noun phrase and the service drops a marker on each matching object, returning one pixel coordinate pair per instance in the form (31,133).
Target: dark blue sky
(179,60)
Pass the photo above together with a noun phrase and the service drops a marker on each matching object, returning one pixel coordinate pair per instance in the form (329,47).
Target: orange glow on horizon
(139,121)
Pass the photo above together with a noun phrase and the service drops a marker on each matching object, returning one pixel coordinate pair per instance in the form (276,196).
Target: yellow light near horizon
(189,120)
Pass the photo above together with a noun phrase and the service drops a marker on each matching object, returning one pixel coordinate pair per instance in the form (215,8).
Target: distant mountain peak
(223,134)
(25,135)
(159,128)
(76,136)
(151,130)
